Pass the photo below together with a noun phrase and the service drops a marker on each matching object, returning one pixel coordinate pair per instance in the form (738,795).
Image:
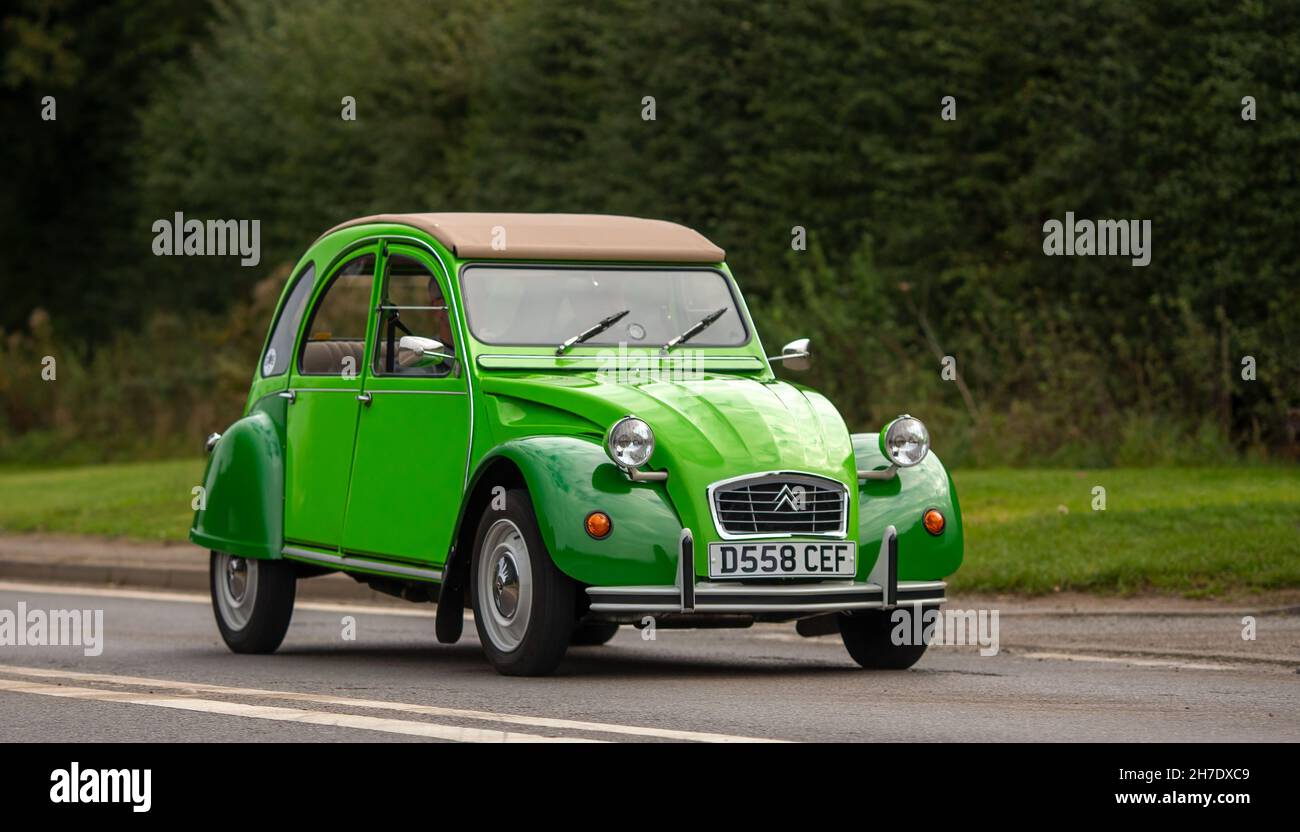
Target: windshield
(545,306)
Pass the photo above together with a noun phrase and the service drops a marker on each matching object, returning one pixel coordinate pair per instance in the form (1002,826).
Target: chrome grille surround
(757,506)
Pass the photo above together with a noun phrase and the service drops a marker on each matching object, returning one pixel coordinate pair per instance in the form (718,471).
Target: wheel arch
(241,509)
(497,469)
(567,477)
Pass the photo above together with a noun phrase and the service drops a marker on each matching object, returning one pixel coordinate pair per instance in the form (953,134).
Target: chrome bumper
(881,590)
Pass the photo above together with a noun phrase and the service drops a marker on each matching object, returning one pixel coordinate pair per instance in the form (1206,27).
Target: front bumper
(881,590)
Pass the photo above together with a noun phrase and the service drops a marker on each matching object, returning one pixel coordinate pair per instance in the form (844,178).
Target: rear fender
(242,511)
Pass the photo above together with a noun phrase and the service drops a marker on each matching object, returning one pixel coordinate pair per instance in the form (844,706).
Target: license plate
(784,559)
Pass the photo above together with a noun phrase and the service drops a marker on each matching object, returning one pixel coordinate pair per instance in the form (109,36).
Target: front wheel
(252,600)
(523,604)
(869,637)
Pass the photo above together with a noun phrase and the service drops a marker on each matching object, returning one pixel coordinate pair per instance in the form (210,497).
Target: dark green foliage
(925,236)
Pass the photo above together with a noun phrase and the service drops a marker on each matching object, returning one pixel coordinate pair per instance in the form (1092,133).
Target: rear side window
(275,361)
(336,340)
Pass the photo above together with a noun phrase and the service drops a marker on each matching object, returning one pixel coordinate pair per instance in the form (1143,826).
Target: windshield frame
(732,290)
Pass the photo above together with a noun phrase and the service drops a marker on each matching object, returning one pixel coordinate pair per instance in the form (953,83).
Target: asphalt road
(164,675)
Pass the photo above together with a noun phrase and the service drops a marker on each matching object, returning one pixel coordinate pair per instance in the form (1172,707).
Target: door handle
(291,395)
(365,398)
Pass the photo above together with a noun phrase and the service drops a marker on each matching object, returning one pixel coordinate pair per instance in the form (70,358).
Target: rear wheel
(868,636)
(593,633)
(523,604)
(252,600)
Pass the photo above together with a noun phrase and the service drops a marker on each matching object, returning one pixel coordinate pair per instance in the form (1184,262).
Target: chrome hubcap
(237,578)
(505,587)
(236,590)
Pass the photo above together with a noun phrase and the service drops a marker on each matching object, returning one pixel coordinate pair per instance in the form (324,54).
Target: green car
(569,423)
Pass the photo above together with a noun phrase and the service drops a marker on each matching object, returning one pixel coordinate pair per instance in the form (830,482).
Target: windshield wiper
(605,323)
(703,324)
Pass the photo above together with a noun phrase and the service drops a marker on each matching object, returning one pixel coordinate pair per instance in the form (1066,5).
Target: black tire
(268,611)
(542,635)
(867,637)
(593,633)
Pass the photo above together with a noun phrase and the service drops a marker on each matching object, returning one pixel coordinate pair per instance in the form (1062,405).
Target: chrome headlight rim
(629,464)
(888,432)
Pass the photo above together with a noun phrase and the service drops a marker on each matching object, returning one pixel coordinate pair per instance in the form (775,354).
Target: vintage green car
(569,421)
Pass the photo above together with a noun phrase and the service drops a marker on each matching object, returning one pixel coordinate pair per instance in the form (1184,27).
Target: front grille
(780,504)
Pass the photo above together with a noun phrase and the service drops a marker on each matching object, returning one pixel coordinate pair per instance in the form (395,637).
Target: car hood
(708,428)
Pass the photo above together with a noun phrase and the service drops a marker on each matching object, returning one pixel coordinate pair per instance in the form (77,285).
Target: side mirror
(415,351)
(797,354)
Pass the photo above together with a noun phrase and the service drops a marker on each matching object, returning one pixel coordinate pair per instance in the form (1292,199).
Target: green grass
(1190,531)
(141,500)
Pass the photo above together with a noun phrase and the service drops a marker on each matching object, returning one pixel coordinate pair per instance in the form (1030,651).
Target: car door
(413,434)
(324,386)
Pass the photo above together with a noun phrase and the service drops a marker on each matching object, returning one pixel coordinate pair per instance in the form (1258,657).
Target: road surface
(164,675)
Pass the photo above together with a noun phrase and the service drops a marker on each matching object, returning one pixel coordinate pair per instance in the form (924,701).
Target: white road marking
(211,706)
(322,699)
(379,704)
(1083,657)
(199,598)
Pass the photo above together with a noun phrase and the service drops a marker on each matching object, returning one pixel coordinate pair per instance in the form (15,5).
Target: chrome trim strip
(633,608)
(835,607)
(578,361)
(846,587)
(883,573)
(775,590)
(361,563)
(730,597)
(839,534)
(666,591)
(686,570)
(916,585)
(418,392)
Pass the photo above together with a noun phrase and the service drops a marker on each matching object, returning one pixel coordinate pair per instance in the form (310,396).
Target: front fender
(569,477)
(901,502)
(242,512)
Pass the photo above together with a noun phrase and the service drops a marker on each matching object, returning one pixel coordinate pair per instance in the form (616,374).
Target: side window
(336,336)
(275,361)
(415,337)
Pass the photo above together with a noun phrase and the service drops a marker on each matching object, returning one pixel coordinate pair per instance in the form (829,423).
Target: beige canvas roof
(557,236)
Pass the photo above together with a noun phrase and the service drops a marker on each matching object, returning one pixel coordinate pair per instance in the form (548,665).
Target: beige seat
(326,357)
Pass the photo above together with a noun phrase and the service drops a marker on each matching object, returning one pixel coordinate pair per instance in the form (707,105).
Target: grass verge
(1188,531)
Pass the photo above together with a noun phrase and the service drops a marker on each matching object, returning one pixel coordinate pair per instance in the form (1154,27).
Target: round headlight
(630,442)
(905,441)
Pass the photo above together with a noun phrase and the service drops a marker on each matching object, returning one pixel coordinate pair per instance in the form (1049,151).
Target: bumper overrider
(881,590)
